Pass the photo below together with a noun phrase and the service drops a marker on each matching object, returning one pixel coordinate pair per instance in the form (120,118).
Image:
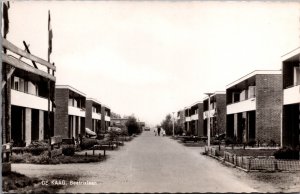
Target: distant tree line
(167,125)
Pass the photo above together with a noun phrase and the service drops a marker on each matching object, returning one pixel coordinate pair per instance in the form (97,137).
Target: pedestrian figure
(158,131)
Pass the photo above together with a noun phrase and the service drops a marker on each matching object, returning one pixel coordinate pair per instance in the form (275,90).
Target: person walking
(158,131)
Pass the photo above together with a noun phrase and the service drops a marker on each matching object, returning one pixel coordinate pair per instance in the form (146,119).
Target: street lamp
(208,120)
(173,123)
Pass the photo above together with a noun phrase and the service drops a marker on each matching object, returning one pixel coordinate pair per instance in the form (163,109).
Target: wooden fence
(249,163)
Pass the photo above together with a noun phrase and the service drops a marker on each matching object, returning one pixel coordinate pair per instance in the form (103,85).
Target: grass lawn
(15,181)
(18,183)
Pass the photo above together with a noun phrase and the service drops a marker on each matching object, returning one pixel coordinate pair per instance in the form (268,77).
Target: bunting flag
(5,18)
(50,36)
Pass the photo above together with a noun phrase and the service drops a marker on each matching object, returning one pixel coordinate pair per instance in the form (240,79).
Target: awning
(90,132)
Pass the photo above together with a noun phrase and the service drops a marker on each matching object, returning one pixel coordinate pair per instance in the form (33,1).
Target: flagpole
(48,85)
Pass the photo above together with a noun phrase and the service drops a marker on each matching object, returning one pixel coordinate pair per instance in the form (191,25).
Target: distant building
(194,119)
(291,98)
(27,108)
(93,115)
(217,110)
(70,112)
(254,105)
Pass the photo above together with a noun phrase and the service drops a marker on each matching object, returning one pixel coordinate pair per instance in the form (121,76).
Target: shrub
(20,158)
(272,143)
(38,144)
(68,150)
(287,153)
(88,143)
(36,150)
(37,147)
(41,159)
(230,140)
(251,142)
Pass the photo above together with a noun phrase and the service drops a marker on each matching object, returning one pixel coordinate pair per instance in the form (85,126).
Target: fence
(250,163)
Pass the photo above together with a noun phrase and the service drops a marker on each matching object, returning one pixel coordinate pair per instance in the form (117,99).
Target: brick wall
(268,107)
(103,119)
(200,120)
(88,114)
(221,112)
(61,112)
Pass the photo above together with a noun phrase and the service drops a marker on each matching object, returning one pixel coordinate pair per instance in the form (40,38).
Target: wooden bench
(100,147)
(55,148)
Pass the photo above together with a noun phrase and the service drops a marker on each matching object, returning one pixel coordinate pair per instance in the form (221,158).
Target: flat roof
(105,106)
(253,73)
(198,102)
(94,100)
(215,93)
(70,88)
(292,55)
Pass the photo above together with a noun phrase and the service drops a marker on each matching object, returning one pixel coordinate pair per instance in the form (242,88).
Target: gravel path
(150,164)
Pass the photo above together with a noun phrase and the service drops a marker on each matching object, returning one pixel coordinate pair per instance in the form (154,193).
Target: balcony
(212,113)
(107,118)
(96,116)
(242,106)
(28,100)
(291,95)
(187,119)
(76,111)
(194,117)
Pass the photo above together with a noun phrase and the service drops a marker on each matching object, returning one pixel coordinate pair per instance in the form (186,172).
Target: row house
(28,96)
(254,105)
(194,119)
(70,112)
(93,115)
(291,98)
(105,118)
(216,111)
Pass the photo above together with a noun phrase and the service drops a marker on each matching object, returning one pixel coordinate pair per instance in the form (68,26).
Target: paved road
(150,164)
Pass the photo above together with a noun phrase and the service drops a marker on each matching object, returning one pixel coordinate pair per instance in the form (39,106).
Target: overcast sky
(153,58)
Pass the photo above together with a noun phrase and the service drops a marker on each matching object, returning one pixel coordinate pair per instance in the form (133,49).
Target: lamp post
(173,123)
(208,120)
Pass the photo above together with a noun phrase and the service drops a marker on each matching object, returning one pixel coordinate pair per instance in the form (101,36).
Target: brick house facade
(254,105)
(291,98)
(70,112)
(93,115)
(105,118)
(194,119)
(27,96)
(217,111)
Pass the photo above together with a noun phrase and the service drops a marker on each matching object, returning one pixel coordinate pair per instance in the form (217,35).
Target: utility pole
(208,120)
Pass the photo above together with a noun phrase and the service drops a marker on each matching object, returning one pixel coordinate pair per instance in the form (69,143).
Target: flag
(50,35)
(5,18)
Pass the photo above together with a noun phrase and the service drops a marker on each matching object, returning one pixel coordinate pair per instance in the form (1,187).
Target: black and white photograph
(164,96)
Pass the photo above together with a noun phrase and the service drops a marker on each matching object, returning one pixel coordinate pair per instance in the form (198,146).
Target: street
(148,164)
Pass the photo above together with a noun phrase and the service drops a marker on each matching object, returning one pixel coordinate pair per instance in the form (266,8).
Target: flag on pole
(50,36)
(5,18)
